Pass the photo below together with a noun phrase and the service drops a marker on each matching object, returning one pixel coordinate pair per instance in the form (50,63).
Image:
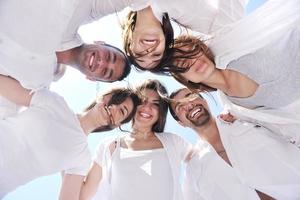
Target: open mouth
(92,62)
(149,41)
(145,115)
(196,112)
(111,119)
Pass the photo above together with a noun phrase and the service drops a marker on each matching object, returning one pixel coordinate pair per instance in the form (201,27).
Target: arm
(12,90)
(90,186)
(70,188)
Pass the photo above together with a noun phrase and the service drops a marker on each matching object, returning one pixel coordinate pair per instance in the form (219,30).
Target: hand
(227,117)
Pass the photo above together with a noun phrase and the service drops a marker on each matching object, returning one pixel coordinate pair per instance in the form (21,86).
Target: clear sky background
(79,92)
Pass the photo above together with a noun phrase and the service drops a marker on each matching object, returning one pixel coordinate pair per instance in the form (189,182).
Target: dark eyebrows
(110,73)
(114,57)
(125,108)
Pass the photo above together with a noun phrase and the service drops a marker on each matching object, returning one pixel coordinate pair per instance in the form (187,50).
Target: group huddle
(252,61)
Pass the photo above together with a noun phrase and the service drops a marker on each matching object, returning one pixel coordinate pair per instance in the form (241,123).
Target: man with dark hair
(34,41)
(235,155)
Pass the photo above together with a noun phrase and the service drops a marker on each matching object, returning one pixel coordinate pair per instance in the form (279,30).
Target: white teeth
(196,112)
(145,115)
(149,41)
(92,59)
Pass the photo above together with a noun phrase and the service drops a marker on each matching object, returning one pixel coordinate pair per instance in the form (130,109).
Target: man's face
(100,63)
(191,109)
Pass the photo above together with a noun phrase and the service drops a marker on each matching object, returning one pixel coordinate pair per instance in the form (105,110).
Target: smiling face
(100,62)
(199,70)
(148,47)
(190,108)
(147,113)
(113,114)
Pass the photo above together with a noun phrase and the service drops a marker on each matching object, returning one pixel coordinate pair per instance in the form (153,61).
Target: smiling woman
(147,155)
(148,33)
(53,138)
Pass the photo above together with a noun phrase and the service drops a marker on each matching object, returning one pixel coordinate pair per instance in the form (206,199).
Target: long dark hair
(156,86)
(128,28)
(186,47)
(118,96)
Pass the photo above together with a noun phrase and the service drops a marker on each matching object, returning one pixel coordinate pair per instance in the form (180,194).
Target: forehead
(181,94)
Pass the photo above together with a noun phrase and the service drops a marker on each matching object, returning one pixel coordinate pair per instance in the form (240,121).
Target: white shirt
(175,147)
(203,16)
(261,159)
(263,26)
(92,10)
(44,139)
(209,177)
(30,34)
(151,171)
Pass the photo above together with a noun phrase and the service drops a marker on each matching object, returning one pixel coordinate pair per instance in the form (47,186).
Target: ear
(90,78)
(99,42)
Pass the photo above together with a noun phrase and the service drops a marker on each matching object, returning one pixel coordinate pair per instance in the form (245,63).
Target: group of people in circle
(252,61)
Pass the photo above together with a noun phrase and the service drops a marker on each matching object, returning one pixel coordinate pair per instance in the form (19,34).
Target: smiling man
(235,158)
(99,62)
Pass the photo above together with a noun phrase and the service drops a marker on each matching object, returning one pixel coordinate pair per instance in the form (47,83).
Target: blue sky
(78,92)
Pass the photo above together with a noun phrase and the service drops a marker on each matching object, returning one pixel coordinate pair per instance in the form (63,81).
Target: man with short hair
(251,155)
(36,36)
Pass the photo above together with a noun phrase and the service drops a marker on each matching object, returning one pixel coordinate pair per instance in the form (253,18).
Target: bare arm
(70,188)
(12,90)
(90,186)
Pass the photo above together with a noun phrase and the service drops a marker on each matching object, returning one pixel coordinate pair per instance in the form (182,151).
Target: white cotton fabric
(263,26)
(176,149)
(44,139)
(209,177)
(275,68)
(151,171)
(261,159)
(203,16)
(91,10)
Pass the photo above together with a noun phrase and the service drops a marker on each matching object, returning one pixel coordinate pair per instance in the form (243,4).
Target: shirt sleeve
(99,154)
(47,99)
(106,7)
(182,146)
(82,164)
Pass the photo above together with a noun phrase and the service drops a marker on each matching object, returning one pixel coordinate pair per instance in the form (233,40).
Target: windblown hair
(128,29)
(118,96)
(186,48)
(156,86)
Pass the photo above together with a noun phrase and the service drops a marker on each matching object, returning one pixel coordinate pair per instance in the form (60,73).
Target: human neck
(146,18)
(142,133)
(210,133)
(218,80)
(67,57)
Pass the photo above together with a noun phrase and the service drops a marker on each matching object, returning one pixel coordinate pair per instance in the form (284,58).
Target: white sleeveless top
(142,174)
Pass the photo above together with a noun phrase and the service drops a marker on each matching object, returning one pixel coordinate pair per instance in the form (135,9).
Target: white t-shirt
(203,16)
(44,139)
(142,174)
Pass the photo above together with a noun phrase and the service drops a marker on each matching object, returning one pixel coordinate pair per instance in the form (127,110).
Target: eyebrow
(125,108)
(114,57)
(185,96)
(110,73)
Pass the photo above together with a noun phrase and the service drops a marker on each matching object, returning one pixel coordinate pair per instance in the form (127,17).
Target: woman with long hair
(148,34)
(48,137)
(144,164)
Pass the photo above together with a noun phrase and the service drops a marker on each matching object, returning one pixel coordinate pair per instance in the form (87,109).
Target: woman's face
(114,114)
(201,68)
(148,44)
(147,113)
